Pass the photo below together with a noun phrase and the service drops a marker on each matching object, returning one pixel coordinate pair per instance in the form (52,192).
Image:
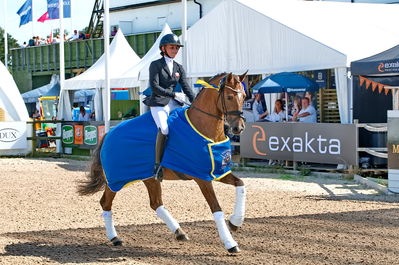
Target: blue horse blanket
(128,151)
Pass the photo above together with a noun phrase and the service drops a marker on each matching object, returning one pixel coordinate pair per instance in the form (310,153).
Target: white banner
(13,135)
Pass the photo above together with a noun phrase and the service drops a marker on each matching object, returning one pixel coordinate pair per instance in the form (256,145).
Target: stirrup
(158,173)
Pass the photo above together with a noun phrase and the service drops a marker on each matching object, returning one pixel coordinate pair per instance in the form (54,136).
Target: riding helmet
(170,39)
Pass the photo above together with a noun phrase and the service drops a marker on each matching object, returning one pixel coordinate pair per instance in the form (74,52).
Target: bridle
(221,90)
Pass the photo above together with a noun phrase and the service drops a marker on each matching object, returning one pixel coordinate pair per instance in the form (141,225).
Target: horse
(217,104)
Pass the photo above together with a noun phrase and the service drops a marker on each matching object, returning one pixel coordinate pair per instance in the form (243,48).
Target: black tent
(369,106)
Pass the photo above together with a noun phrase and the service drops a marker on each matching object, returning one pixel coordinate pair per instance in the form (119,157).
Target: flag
(44,17)
(53,9)
(25,13)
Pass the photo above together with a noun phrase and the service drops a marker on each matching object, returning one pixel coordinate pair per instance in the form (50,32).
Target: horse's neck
(207,125)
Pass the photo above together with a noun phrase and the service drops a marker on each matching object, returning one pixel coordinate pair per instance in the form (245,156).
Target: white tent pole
(184,33)
(62,59)
(5,36)
(107,98)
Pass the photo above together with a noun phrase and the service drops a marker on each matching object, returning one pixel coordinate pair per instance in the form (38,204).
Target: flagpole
(61,101)
(5,35)
(184,33)
(107,92)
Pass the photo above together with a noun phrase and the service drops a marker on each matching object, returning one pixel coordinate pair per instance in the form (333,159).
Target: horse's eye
(229,97)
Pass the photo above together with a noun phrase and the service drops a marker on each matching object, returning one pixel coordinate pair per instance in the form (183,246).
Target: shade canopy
(285,82)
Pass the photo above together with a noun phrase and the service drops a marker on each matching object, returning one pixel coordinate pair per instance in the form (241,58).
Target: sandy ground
(310,221)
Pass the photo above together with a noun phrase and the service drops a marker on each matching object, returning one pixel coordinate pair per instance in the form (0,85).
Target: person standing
(165,73)
(259,108)
(83,116)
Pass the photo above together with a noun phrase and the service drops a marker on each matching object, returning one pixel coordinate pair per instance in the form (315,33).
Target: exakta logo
(9,135)
(297,144)
(67,134)
(90,135)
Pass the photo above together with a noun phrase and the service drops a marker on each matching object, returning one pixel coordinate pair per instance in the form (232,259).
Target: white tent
(11,101)
(122,57)
(141,70)
(273,36)
(12,112)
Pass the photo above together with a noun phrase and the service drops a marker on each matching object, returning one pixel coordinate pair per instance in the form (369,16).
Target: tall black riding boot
(159,149)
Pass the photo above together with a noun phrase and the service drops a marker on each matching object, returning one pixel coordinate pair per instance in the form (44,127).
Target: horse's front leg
(155,193)
(106,204)
(207,190)
(237,218)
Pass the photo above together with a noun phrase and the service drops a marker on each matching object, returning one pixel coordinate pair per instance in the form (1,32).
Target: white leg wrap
(224,232)
(167,218)
(237,218)
(109,224)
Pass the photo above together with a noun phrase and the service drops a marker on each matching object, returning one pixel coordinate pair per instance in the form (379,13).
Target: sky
(80,18)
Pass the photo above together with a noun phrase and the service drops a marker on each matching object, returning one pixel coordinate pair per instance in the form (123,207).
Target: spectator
(278,113)
(307,113)
(83,116)
(56,39)
(75,35)
(114,31)
(259,108)
(82,36)
(296,106)
(32,41)
(24,45)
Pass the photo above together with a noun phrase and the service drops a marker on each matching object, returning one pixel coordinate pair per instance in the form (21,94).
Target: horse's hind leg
(155,193)
(207,190)
(237,218)
(106,204)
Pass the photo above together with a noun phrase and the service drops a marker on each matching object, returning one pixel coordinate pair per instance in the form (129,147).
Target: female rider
(165,73)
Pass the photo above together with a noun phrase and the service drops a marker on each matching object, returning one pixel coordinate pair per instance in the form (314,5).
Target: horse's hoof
(234,250)
(232,227)
(116,241)
(181,235)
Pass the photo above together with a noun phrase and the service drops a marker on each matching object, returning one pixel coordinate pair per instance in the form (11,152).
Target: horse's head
(231,100)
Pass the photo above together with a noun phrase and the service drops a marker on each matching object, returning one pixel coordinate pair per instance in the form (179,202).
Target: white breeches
(161,114)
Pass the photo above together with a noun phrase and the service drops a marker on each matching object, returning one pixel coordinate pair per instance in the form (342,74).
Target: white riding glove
(180,97)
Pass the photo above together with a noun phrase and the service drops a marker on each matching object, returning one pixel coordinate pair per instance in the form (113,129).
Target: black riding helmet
(170,39)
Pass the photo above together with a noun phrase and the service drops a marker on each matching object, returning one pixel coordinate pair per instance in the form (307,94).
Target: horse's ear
(243,76)
(229,77)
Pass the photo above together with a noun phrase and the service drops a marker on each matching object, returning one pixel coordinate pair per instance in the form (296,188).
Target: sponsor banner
(82,134)
(78,129)
(320,77)
(393,139)
(307,142)
(67,134)
(13,135)
(91,135)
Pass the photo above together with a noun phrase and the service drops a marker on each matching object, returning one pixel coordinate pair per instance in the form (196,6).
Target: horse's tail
(95,179)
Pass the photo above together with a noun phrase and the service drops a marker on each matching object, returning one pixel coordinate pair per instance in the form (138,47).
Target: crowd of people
(38,41)
(300,110)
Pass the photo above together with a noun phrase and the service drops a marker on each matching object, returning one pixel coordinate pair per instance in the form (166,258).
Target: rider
(165,73)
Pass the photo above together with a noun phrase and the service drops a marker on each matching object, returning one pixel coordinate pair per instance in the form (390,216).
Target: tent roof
(384,63)
(356,30)
(234,37)
(33,95)
(10,98)
(122,57)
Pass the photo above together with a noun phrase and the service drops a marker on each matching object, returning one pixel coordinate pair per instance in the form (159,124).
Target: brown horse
(208,114)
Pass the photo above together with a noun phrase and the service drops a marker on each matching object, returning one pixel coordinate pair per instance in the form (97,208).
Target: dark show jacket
(162,83)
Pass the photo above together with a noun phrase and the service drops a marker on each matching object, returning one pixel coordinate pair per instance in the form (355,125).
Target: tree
(12,43)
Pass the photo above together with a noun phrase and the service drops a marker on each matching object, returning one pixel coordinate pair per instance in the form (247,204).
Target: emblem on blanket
(128,151)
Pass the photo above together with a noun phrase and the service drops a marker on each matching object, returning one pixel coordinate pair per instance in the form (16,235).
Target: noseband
(224,107)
